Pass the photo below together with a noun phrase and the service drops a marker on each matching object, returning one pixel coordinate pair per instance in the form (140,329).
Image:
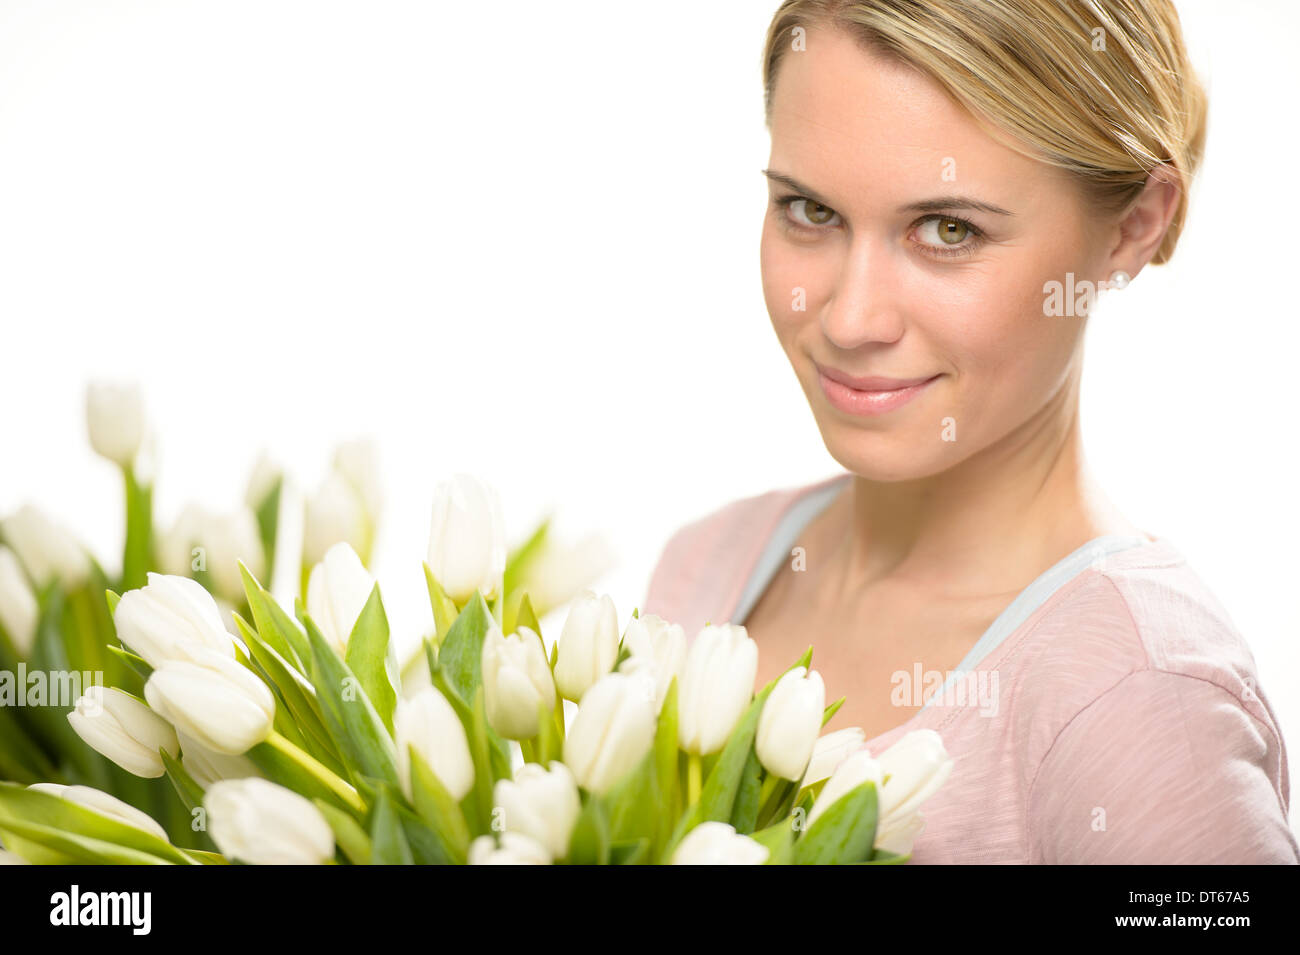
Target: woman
(952,183)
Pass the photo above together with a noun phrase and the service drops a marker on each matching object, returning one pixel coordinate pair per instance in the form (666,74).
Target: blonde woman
(952,184)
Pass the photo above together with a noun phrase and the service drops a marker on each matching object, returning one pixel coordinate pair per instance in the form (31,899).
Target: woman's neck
(988,525)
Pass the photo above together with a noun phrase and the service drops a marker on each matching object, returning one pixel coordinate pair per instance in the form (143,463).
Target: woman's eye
(811,214)
(947,235)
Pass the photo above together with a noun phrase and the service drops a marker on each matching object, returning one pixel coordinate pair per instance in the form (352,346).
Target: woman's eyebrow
(937,204)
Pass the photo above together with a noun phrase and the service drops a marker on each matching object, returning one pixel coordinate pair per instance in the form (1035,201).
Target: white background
(521,239)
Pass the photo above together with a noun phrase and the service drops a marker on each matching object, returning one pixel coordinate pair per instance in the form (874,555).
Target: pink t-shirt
(1130,725)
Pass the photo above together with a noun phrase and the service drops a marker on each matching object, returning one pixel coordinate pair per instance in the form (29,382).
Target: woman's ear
(1143,225)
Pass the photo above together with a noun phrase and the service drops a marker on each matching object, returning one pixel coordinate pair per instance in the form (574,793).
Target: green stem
(692,779)
(530,753)
(316,769)
(769,798)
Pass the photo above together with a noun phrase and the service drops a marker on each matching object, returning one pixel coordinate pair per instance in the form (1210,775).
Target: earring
(1119,279)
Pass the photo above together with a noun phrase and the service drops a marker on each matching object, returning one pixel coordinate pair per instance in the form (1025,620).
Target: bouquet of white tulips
(295,736)
(294,742)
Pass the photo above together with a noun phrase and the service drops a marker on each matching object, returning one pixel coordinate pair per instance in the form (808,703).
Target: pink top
(1131,726)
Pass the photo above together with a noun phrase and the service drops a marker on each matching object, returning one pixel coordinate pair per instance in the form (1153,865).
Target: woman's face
(889,259)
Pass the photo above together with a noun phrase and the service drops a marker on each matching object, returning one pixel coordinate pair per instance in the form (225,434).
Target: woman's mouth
(873,395)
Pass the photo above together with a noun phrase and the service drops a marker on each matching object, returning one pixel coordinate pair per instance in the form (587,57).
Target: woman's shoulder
(1138,675)
(706,557)
(1142,608)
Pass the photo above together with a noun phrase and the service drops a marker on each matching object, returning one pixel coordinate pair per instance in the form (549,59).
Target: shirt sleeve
(1162,768)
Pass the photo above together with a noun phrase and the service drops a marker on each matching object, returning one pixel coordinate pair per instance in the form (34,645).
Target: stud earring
(1119,279)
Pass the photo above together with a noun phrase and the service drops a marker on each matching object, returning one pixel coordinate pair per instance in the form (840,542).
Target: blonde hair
(1100,88)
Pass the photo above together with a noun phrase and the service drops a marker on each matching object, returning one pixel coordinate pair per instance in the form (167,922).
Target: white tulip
(516,682)
(789,723)
(214,699)
(831,750)
(216,543)
(428,722)
(588,644)
(171,618)
(358,462)
(542,804)
(657,646)
(561,571)
(716,686)
(259,822)
(467,539)
(46,548)
(337,591)
(120,727)
(612,731)
(19,610)
(261,480)
(849,775)
(332,513)
(115,420)
(716,843)
(515,849)
(206,766)
(106,805)
(914,769)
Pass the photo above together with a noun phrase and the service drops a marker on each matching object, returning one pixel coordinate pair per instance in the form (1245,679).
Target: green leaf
(358,733)
(629,852)
(881,857)
(191,793)
(113,601)
(718,797)
(297,694)
(632,803)
(279,767)
(520,559)
(437,808)
(444,608)
(843,833)
(832,710)
(388,842)
(79,831)
(666,775)
(136,663)
(589,844)
(268,521)
(348,834)
(779,840)
(460,656)
(367,657)
(274,625)
(744,814)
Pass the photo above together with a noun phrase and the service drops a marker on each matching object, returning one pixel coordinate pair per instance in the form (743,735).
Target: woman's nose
(864,305)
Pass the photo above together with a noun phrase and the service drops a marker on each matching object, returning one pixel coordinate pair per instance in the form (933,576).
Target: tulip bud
(659,648)
(588,644)
(171,618)
(337,592)
(560,572)
(427,722)
(201,540)
(849,775)
(789,723)
(261,481)
(262,823)
(332,514)
(207,767)
(19,610)
(914,768)
(115,419)
(515,849)
(516,682)
(214,699)
(831,750)
(467,539)
(357,461)
(717,685)
(612,732)
(117,725)
(716,843)
(47,549)
(106,805)
(541,804)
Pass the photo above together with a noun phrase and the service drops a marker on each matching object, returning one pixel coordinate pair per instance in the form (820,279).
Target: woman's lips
(877,396)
